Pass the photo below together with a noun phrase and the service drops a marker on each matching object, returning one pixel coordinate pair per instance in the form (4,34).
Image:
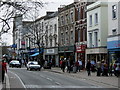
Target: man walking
(80,65)
(88,67)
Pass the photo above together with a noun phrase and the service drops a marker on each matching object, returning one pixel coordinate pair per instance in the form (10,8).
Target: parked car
(14,63)
(33,65)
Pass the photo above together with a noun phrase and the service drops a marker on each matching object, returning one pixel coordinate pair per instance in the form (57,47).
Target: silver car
(33,65)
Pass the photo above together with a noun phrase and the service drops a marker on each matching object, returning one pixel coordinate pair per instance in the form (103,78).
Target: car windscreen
(15,62)
(33,63)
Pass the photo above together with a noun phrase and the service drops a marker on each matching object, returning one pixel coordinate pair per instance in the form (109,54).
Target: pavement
(110,81)
(106,81)
(5,85)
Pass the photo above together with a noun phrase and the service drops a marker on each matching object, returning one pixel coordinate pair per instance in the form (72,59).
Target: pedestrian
(88,67)
(63,65)
(111,69)
(77,65)
(80,65)
(92,65)
(68,65)
(98,68)
(117,69)
(4,69)
(102,68)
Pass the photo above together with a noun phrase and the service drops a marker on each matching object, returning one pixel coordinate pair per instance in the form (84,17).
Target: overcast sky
(51,6)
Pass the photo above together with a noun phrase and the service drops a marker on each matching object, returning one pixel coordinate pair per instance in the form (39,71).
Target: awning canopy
(35,54)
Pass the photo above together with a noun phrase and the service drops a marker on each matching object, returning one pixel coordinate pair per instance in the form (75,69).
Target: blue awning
(35,54)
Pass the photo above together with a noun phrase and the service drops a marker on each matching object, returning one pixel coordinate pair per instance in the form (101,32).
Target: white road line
(59,86)
(49,79)
(7,82)
(57,83)
(19,79)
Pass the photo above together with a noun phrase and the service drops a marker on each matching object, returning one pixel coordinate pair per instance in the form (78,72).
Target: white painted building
(51,37)
(113,41)
(17,35)
(97,31)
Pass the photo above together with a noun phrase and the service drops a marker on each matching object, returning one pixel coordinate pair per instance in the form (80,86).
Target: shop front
(113,51)
(51,54)
(80,52)
(66,52)
(96,54)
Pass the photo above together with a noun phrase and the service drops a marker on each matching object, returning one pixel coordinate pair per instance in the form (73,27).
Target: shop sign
(113,44)
(50,51)
(80,48)
(22,42)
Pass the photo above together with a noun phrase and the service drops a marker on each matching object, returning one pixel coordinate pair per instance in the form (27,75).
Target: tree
(36,33)
(9,8)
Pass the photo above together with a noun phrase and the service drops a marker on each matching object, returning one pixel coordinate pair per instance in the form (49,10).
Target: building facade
(17,36)
(66,28)
(51,38)
(113,41)
(97,31)
(81,29)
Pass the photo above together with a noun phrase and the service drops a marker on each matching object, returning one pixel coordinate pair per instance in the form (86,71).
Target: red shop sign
(80,48)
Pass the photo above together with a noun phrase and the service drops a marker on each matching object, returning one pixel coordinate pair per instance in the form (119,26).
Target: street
(20,78)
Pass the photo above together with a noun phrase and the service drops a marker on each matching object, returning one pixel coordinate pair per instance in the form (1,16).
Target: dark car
(14,63)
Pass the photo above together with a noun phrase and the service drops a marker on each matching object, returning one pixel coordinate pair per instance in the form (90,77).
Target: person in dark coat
(63,65)
(88,67)
(98,68)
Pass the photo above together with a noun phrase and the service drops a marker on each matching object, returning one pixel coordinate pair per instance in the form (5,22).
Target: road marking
(19,79)
(58,86)
(7,82)
(57,83)
(49,79)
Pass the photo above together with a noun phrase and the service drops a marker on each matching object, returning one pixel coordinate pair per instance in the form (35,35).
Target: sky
(52,5)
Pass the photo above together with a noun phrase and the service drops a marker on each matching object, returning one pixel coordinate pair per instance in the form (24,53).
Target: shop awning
(35,54)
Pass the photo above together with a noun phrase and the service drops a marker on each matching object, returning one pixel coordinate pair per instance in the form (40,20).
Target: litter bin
(74,69)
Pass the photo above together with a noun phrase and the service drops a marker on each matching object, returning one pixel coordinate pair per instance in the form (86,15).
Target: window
(78,35)
(96,18)
(62,38)
(78,11)
(62,20)
(114,11)
(50,42)
(51,29)
(66,38)
(114,32)
(42,27)
(55,28)
(71,35)
(55,42)
(90,20)
(71,16)
(96,39)
(67,19)
(84,34)
(90,39)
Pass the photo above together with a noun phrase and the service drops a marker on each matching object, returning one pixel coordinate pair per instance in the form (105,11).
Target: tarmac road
(20,78)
